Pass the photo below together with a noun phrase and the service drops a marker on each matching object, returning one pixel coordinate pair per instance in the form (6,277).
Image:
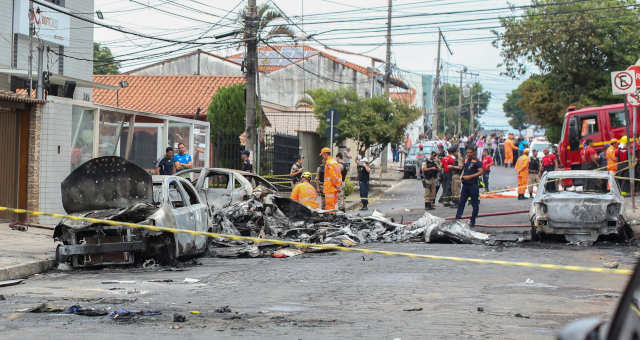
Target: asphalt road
(334,295)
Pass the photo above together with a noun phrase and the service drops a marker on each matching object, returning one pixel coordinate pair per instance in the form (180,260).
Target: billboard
(50,25)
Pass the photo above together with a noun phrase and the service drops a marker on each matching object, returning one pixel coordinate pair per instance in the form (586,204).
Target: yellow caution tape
(326,246)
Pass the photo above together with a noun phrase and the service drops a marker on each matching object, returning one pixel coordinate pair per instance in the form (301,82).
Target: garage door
(9,173)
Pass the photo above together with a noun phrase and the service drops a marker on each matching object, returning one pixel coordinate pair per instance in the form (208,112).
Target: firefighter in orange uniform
(612,157)
(304,192)
(522,169)
(508,151)
(332,179)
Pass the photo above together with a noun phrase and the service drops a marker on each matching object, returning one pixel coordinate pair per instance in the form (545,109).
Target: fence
(226,150)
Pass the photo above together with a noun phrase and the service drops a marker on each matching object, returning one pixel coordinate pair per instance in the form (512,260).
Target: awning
(56,79)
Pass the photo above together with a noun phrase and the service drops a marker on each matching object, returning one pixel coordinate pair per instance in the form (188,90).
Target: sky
(354,25)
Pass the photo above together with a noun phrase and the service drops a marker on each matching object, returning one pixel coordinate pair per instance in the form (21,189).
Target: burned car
(579,204)
(114,189)
(222,187)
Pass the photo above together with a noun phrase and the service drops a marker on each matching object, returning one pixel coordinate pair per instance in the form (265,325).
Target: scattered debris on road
(179,318)
(11,282)
(223,309)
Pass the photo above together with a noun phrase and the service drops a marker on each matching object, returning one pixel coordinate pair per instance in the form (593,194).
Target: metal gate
(285,148)
(9,168)
(226,150)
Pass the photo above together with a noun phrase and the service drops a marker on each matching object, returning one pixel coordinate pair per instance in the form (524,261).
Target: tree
(449,118)
(574,45)
(103,61)
(226,111)
(513,110)
(370,122)
(266,28)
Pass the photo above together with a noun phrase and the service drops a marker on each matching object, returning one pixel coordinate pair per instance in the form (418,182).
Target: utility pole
(250,77)
(40,70)
(387,70)
(471,111)
(459,129)
(436,91)
(31,31)
(436,88)
(387,77)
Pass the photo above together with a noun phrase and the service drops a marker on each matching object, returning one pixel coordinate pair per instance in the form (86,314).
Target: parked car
(539,146)
(579,204)
(624,324)
(115,189)
(222,187)
(410,160)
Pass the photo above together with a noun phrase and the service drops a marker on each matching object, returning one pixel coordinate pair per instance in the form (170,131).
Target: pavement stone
(24,253)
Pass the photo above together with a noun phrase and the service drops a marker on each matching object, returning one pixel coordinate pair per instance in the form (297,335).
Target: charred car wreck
(114,189)
(579,204)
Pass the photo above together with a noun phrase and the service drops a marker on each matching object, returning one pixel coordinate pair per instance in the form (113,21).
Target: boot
(521,197)
(427,206)
(433,206)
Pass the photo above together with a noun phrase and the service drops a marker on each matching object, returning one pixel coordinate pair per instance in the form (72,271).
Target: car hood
(106,183)
(576,208)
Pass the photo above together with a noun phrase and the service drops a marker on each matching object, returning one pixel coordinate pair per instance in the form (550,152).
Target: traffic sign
(623,82)
(635,68)
(633,100)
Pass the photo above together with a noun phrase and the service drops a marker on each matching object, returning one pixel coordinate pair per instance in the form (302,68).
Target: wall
(33,166)
(54,166)
(286,86)
(188,64)
(81,46)
(310,149)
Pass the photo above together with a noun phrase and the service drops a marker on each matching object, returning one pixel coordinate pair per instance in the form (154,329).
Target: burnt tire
(161,248)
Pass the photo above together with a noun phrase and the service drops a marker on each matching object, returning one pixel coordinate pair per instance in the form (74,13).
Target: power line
(44,4)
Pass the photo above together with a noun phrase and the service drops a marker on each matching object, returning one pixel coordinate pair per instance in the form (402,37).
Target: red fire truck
(600,124)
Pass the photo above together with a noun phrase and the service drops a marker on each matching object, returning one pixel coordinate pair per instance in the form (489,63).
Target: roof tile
(175,95)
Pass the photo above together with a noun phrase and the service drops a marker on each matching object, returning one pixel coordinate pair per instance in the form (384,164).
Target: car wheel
(536,236)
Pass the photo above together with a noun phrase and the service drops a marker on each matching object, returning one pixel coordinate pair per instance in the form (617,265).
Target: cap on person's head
(245,152)
(526,150)
(420,146)
(325,150)
(168,149)
(306,174)
(614,141)
(299,157)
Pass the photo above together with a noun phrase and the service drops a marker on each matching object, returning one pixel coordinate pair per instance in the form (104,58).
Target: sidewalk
(377,185)
(24,253)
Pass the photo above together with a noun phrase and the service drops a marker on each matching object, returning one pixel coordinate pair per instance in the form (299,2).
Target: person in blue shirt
(166,165)
(471,172)
(182,159)
(524,144)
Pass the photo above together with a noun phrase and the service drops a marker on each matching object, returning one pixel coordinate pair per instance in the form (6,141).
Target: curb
(21,271)
(372,193)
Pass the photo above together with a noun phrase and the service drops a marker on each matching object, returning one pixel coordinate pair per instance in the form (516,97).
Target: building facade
(59,35)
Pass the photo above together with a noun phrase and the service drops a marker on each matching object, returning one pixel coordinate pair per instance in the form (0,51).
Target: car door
(199,212)
(218,186)
(241,188)
(183,215)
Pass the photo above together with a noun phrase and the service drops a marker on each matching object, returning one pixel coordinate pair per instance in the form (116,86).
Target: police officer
(430,170)
(472,170)
(456,170)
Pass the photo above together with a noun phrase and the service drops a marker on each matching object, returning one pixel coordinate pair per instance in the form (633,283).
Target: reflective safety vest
(304,193)
(332,176)
(522,165)
(612,164)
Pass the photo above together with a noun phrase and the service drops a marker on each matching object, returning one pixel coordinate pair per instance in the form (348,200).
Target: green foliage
(369,121)
(266,26)
(553,133)
(349,187)
(448,121)
(227,111)
(513,110)
(574,45)
(104,63)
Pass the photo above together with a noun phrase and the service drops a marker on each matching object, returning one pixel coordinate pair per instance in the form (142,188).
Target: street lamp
(121,85)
